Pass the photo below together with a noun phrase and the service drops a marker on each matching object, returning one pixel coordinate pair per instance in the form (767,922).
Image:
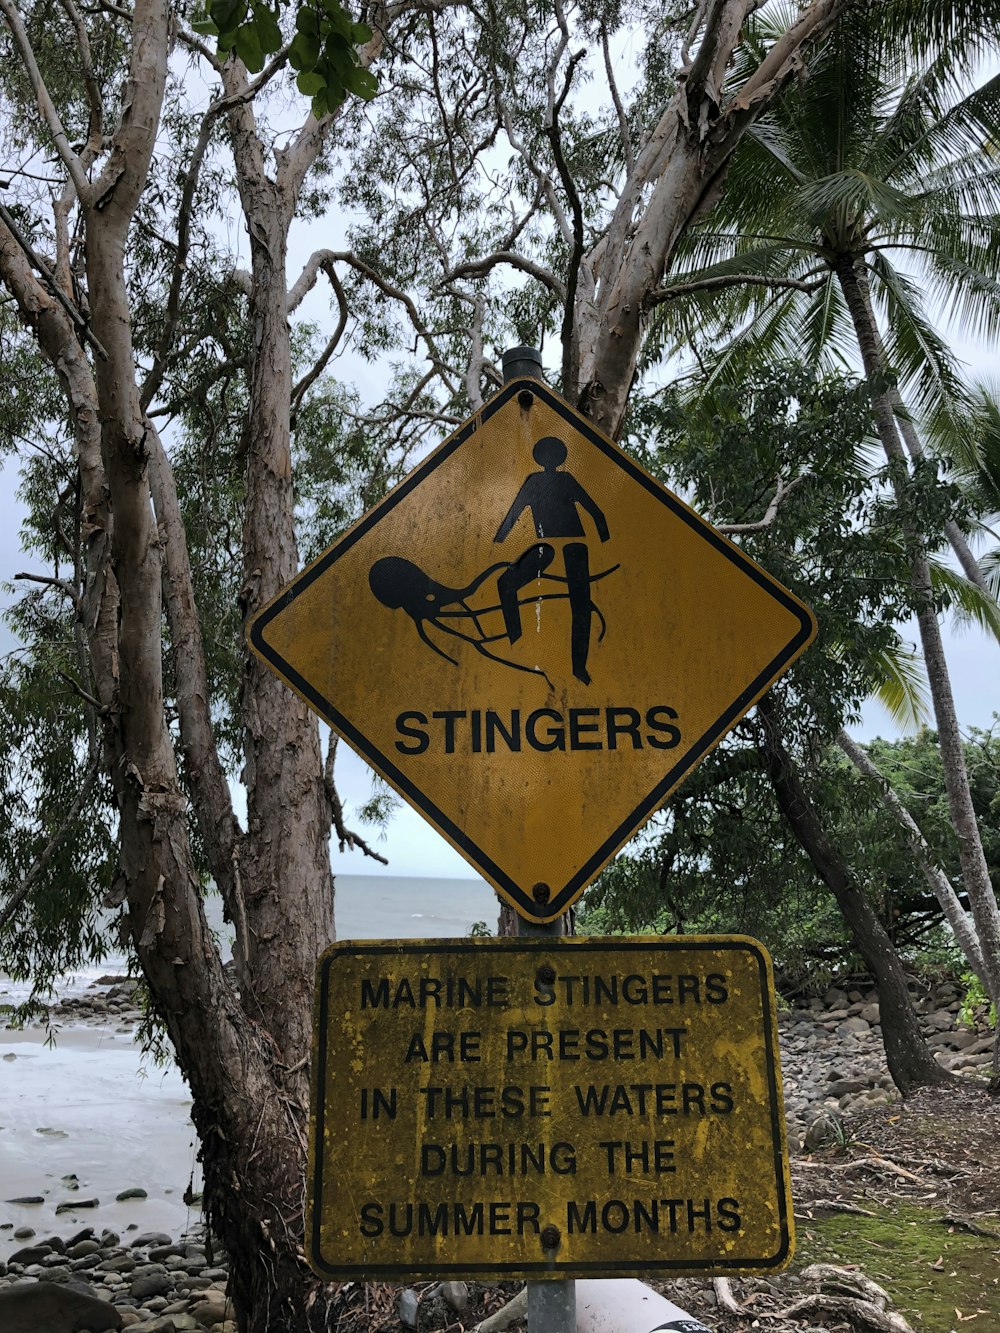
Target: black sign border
(517,894)
(424,949)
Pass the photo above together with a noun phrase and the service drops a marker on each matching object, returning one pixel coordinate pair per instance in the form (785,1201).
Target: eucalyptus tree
(198,414)
(869,167)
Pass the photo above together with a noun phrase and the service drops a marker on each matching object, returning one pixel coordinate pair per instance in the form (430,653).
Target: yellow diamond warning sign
(533,641)
(562,1108)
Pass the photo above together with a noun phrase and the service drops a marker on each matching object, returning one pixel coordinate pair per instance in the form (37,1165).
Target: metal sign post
(552,1304)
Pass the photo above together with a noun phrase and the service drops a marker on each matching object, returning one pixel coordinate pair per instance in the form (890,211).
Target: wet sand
(94,1107)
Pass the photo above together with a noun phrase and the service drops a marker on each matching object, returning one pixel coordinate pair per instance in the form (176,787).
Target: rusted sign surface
(533,642)
(578,1107)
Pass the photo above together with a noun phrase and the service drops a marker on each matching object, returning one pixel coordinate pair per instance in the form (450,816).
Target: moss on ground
(939,1276)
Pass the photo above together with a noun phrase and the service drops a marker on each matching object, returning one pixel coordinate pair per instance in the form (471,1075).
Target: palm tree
(863,169)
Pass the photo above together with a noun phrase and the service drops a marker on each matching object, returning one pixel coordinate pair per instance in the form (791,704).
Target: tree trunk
(975,872)
(910,1062)
(962,928)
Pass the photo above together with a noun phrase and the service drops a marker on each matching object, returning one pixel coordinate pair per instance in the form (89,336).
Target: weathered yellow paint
(686,633)
(697,1073)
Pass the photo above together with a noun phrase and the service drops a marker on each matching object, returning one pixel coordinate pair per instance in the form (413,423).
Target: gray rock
(456,1294)
(54,1308)
(150,1284)
(31,1254)
(134,1192)
(853,1027)
(117,1263)
(71,1205)
(81,1248)
(151,1238)
(211,1307)
(408,1308)
(27,1198)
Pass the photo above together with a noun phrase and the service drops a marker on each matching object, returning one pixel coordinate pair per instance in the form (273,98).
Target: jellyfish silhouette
(401,585)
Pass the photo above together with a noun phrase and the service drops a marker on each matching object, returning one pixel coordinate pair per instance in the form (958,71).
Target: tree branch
(163,347)
(212,799)
(46,106)
(307,380)
(95,129)
(781,493)
(346,838)
(44,858)
(570,368)
(50,282)
(672,293)
(479,268)
(623,128)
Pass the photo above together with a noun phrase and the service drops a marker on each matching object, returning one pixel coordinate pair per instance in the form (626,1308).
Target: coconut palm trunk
(975,871)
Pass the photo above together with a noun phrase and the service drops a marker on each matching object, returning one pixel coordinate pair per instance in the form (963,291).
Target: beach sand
(95,1108)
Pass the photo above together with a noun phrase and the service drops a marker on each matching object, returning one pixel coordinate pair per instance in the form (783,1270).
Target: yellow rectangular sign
(572,1107)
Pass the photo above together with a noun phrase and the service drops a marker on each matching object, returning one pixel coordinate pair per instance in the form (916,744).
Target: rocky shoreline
(91,1278)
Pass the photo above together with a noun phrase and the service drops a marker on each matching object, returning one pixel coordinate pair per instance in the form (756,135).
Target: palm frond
(969,605)
(927,369)
(900,686)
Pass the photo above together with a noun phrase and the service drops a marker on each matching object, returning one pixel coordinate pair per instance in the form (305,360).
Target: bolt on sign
(533,641)
(515,1108)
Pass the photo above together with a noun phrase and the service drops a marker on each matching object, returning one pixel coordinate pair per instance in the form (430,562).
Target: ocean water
(366,907)
(387,907)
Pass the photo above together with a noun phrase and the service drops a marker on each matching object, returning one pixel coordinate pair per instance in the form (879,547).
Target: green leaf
(228,15)
(339,19)
(360,33)
(265,21)
(304,51)
(248,48)
(204,26)
(362,82)
(310,83)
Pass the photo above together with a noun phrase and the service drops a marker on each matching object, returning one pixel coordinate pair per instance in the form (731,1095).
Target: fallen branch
(863,1314)
(724,1296)
(504,1317)
(836,1206)
(966,1224)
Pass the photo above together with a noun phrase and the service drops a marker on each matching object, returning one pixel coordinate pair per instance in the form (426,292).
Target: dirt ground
(897,1221)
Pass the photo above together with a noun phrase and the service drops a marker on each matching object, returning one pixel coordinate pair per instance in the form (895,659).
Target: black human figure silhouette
(554,499)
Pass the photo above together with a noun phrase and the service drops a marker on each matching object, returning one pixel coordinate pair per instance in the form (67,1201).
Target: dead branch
(839,1206)
(724,1296)
(863,1314)
(311,376)
(504,1317)
(346,838)
(781,493)
(63,585)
